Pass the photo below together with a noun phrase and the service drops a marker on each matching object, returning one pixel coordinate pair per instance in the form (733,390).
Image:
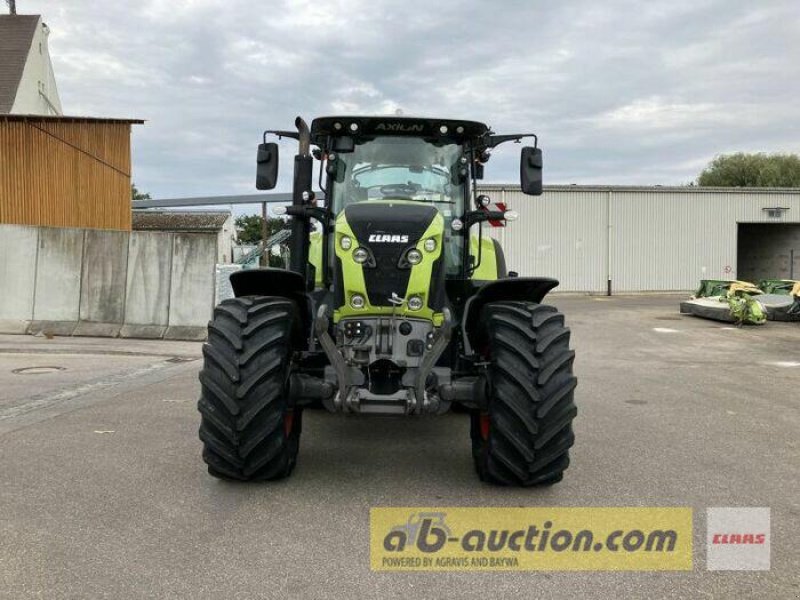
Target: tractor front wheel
(524,436)
(248,428)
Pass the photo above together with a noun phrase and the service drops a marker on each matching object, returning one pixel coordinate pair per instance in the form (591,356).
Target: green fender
(493,262)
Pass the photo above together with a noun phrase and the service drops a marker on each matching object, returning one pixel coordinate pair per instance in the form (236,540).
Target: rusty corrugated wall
(65,172)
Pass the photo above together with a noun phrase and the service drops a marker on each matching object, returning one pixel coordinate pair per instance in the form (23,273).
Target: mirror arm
(310,212)
(492,141)
(281,134)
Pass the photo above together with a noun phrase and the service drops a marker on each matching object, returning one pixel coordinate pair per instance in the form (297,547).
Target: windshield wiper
(430,201)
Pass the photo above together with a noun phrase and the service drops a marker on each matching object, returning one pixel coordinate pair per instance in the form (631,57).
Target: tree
(249,231)
(752,170)
(248,228)
(137,195)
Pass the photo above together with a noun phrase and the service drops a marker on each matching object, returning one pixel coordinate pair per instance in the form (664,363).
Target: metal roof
(68,119)
(217,200)
(183,220)
(16,37)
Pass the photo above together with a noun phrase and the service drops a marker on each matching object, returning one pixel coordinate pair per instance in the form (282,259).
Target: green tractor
(394,303)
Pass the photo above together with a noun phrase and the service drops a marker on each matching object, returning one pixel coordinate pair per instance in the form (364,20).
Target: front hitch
(351,396)
(426,403)
(344,380)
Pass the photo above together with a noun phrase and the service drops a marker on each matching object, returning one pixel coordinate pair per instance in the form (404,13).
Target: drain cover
(37,370)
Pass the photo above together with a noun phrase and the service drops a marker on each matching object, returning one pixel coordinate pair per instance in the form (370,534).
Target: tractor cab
(409,170)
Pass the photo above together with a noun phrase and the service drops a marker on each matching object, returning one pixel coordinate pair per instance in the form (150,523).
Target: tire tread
(247,360)
(531,402)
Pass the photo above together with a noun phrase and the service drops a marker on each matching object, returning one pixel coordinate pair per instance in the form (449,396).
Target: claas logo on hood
(386,238)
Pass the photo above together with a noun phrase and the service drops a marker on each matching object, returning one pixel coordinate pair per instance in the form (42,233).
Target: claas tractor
(394,302)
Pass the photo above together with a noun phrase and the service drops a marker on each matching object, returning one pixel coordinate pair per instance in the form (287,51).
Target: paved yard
(103,493)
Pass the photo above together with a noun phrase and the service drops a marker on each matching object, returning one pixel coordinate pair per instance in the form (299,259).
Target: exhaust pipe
(301,190)
(305,136)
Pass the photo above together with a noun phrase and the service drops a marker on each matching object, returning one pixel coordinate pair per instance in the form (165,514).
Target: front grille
(406,220)
(386,277)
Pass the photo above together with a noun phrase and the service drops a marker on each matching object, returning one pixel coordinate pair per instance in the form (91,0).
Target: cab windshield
(400,168)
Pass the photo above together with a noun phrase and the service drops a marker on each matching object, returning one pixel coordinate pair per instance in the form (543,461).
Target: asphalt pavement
(103,493)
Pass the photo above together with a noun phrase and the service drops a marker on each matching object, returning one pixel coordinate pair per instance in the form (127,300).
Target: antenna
(12,6)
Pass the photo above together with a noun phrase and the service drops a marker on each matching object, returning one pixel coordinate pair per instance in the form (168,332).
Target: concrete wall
(148,284)
(224,289)
(226,240)
(193,267)
(59,263)
(102,308)
(17,282)
(106,283)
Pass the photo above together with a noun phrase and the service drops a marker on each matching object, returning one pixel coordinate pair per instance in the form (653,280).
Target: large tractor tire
(524,436)
(249,430)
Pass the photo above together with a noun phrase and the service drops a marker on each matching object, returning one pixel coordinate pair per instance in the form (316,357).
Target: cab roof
(446,130)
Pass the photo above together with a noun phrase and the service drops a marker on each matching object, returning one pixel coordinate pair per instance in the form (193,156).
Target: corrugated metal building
(633,239)
(65,171)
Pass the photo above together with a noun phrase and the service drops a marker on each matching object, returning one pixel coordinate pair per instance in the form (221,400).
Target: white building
(27,82)
(216,222)
(635,239)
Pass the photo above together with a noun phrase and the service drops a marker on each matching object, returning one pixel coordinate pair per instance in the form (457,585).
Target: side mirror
(335,168)
(267,166)
(530,171)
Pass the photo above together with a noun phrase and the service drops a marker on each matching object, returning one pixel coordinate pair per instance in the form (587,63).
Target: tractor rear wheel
(524,436)
(249,429)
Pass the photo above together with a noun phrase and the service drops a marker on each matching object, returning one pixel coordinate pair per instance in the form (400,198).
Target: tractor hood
(390,226)
(388,231)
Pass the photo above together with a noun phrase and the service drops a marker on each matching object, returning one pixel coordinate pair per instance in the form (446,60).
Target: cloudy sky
(620,92)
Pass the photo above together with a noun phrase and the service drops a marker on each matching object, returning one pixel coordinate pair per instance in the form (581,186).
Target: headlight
(414,256)
(360,255)
(346,243)
(415,303)
(430,245)
(357,301)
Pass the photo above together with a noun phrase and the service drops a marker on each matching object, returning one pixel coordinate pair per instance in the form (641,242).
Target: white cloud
(623,92)
(657,113)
